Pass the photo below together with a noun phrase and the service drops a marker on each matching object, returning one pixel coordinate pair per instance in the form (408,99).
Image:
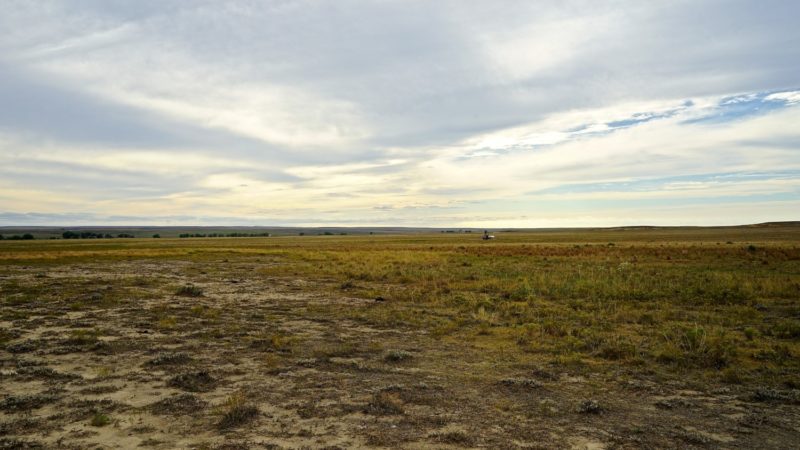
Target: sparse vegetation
(433,337)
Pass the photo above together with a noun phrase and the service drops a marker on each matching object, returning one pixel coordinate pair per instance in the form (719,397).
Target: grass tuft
(236,411)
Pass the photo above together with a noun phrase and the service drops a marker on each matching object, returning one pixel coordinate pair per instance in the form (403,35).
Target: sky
(399,113)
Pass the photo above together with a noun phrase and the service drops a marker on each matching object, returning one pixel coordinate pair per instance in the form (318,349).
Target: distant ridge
(55,232)
(776,224)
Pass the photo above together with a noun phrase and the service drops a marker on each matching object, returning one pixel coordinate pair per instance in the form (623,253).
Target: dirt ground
(108,355)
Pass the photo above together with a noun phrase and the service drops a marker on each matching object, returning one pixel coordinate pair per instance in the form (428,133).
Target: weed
(100,420)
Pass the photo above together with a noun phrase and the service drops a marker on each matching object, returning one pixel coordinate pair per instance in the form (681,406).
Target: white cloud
(416,112)
(791,97)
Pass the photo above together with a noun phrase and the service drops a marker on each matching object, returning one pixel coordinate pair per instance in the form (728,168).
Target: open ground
(638,338)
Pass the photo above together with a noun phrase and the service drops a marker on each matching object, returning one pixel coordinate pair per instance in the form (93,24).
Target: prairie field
(585,339)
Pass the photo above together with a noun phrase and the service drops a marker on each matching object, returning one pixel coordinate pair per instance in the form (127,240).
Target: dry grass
(503,339)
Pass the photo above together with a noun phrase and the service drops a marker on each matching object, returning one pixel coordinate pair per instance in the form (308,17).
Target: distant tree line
(16,237)
(327,233)
(214,235)
(92,235)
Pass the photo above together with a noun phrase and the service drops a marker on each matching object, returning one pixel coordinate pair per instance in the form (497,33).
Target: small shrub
(454,437)
(786,329)
(200,381)
(548,407)
(524,383)
(189,290)
(183,404)
(731,375)
(385,403)
(397,356)
(590,407)
(26,402)
(22,347)
(170,359)
(779,354)
(694,347)
(82,337)
(236,411)
(100,420)
(776,395)
(617,348)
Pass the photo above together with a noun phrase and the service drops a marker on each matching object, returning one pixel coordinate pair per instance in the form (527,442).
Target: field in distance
(615,338)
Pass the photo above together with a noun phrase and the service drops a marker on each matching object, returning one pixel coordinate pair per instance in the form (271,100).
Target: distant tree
(1,237)
(27,237)
(156,236)
(301,233)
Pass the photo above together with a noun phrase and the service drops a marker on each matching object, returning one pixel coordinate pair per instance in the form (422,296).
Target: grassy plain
(638,338)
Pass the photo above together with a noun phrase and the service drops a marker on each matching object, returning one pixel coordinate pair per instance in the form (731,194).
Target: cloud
(419,112)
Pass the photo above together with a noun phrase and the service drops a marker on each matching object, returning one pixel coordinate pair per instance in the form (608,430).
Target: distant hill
(776,224)
(56,232)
